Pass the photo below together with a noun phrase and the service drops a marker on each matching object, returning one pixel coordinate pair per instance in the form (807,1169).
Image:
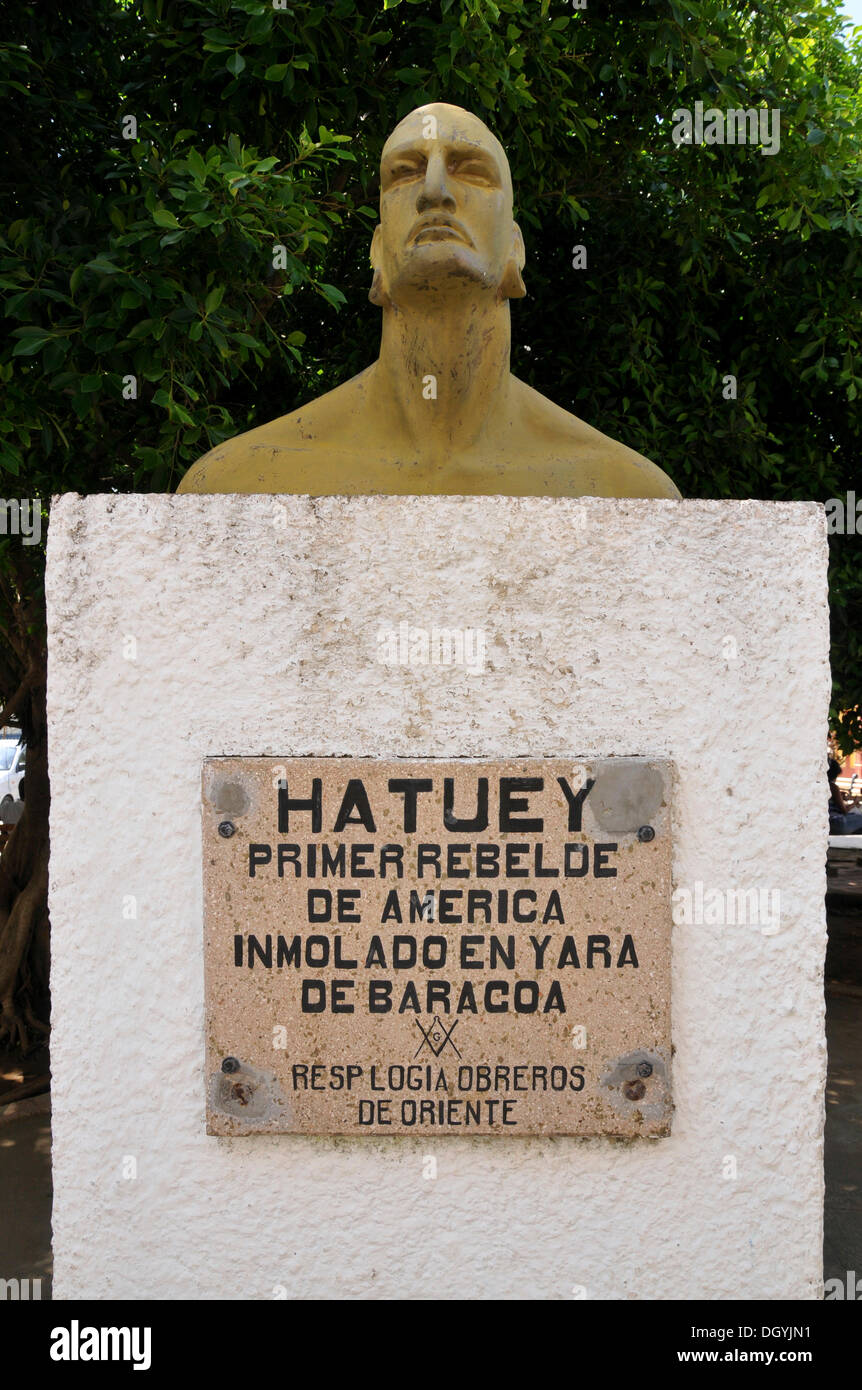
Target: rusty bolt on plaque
(226,829)
(634,1090)
(230,1064)
(645,834)
(644,1068)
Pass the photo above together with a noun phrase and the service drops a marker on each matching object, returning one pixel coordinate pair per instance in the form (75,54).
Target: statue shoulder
(275,457)
(587,462)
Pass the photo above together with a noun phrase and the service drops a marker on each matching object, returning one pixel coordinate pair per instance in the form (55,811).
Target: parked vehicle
(13,756)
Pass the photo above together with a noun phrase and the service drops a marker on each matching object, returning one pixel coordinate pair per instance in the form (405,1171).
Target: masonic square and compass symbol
(436,1037)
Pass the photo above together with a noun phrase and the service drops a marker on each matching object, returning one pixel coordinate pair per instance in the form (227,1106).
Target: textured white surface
(611,629)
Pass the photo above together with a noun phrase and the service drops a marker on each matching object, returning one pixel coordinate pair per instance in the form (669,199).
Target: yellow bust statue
(439,412)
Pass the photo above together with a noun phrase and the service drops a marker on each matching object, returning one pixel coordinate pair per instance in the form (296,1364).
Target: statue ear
(375,294)
(512,286)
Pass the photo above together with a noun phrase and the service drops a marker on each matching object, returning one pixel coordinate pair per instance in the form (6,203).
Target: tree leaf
(163,218)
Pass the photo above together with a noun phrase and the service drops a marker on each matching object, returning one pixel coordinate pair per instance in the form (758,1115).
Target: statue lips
(439,228)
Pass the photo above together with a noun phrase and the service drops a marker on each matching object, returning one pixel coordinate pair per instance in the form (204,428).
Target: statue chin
(437,267)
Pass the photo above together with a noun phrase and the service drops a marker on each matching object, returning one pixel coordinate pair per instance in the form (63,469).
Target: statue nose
(435,190)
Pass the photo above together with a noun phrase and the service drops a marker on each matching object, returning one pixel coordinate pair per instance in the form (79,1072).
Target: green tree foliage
(158,151)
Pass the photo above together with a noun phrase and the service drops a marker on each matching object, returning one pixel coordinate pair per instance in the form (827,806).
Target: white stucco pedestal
(182,628)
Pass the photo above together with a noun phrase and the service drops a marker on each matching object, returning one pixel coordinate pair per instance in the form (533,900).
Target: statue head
(446,222)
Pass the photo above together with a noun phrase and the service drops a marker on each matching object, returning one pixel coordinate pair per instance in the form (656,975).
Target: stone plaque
(437,947)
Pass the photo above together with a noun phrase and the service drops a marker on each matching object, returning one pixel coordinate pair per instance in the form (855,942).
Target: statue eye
(472,169)
(404,169)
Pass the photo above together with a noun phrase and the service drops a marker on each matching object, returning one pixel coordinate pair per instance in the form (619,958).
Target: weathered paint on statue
(439,412)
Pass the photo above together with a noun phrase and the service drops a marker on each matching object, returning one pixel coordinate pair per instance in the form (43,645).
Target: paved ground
(842,1245)
(25,1128)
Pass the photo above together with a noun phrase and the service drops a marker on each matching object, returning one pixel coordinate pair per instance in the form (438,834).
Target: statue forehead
(453,123)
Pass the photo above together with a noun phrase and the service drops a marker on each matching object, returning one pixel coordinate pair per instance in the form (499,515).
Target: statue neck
(442,377)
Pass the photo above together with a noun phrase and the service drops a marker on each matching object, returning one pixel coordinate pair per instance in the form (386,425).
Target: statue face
(445,209)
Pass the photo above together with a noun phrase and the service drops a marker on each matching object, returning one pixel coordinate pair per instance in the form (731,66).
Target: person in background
(841,821)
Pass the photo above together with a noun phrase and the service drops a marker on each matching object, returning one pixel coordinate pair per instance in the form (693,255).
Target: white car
(13,754)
